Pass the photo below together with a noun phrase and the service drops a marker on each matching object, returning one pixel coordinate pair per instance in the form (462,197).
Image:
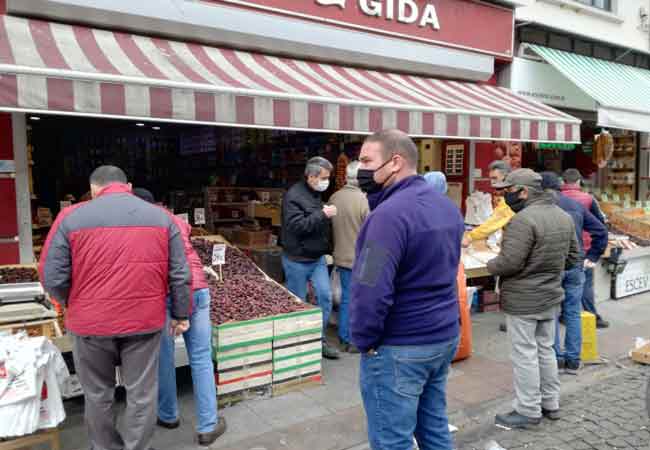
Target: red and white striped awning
(67,69)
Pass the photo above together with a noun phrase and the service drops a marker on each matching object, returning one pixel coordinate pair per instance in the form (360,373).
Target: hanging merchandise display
(603,149)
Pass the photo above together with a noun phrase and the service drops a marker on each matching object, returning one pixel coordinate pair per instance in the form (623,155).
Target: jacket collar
(542,198)
(308,189)
(115,188)
(376,199)
(570,187)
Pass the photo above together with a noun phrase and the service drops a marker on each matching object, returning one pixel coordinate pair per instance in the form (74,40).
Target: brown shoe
(207,439)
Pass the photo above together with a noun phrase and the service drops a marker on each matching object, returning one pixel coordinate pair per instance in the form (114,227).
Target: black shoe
(561,365)
(169,425)
(572,367)
(503,327)
(516,420)
(206,439)
(350,348)
(551,414)
(330,352)
(600,323)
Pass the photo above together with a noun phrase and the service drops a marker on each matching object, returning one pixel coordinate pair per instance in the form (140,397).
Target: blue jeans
(404,390)
(345,276)
(588,301)
(573,282)
(198,342)
(299,273)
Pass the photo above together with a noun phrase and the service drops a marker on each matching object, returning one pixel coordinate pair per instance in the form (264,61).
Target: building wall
(620,27)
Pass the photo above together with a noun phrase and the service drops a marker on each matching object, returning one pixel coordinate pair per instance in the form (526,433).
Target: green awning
(622,92)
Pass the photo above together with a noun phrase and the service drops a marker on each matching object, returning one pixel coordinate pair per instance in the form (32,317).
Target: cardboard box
(260,238)
(642,355)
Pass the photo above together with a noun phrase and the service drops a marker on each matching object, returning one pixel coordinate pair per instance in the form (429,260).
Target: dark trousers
(95,360)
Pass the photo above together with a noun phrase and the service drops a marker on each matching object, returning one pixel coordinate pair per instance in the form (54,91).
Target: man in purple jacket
(404,311)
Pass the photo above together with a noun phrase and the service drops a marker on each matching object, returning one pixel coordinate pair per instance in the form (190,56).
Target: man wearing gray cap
(539,244)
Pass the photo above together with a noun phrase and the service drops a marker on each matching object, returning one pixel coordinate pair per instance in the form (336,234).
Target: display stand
(50,436)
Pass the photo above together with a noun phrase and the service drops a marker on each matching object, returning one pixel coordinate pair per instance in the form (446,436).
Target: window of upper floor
(600,4)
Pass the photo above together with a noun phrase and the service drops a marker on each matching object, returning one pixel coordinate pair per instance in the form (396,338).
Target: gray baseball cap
(521,177)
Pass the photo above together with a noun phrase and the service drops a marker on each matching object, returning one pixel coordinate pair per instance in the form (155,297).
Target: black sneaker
(516,420)
(168,425)
(503,327)
(572,367)
(561,365)
(330,352)
(207,439)
(551,414)
(601,323)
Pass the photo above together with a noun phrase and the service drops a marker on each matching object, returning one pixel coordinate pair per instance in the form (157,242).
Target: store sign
(634,279)
(541,82)
(459,23)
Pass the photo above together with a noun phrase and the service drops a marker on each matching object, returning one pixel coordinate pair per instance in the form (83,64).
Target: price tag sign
(605,197)
(199,216)
(647,209)
(647,204)
(639,205)
(184,217)
(627,197)
(627,204)
(63,205)
(219,254)
(616,197)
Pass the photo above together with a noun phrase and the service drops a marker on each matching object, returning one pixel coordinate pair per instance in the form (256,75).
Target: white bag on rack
(478,208)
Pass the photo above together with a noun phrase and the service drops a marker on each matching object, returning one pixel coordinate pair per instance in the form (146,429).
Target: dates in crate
(10,275)
(236,262)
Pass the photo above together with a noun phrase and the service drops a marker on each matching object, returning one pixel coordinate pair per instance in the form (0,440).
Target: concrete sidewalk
(331,417)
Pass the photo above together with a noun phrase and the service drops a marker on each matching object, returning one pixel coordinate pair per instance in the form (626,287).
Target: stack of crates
(297,349)
(243,355)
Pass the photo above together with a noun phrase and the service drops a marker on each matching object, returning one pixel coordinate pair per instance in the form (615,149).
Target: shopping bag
(335,281)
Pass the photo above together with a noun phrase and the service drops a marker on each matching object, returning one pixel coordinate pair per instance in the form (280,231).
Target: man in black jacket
(306,239)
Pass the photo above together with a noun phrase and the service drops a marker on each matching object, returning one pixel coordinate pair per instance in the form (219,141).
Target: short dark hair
(571,176)
(550,181)
(144,194)
(105,175)
(396,142)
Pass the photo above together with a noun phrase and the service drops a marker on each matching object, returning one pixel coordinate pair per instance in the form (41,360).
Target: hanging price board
(605,197)
(639,204)
(627,204)
(184,216)
(219,254)
(616,197)
(199,216)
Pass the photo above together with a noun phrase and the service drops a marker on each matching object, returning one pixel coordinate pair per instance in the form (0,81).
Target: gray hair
(572,176)
(105,175)
(501,166)
(351,172)
(396,142)
(315,165)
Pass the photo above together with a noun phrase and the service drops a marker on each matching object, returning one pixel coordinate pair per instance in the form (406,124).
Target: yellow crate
(589,338)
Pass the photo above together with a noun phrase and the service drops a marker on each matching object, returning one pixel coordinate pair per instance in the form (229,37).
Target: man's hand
(589,264)
(329,211)
(467,241)
(178,327)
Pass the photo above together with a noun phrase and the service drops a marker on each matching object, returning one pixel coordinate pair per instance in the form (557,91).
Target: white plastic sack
(478,208)
(335,281)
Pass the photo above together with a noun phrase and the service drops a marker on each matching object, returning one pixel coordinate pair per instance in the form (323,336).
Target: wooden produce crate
(48,328)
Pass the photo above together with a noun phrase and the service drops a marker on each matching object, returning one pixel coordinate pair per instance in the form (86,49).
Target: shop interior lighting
(155,128)
(139,124)
(34,118)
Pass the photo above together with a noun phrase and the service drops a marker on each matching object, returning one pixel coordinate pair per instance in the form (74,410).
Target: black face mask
(514,202)
(366,179)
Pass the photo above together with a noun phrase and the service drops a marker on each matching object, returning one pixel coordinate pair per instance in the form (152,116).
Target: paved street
(606,414)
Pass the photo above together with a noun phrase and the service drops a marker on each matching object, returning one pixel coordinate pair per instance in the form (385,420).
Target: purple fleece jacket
(404,277)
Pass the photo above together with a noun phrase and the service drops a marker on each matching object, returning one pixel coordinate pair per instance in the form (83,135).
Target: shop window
(603,52)
(582,48)
(600,4)
(559,42)
(533,36)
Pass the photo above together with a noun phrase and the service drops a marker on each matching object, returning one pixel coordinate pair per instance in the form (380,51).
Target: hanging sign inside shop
(559,146)
(199,216)
(64,204)
(465,24)
(185,217)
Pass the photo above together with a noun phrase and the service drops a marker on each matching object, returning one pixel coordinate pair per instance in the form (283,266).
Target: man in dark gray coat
(539,244)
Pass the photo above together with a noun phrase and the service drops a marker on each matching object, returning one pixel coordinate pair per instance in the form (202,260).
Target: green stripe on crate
(297,355)
(297,333)
(224,348)
(242,355)
(243,323)
(299,366)
(307,312)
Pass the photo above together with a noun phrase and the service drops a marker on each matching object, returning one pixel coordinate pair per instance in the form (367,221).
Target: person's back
(352,210)
(545,232)
(119,247)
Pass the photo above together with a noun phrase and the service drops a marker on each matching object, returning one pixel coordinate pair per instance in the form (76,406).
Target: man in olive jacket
(539,244)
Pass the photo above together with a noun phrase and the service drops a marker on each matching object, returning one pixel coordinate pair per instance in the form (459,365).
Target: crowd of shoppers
(131,282)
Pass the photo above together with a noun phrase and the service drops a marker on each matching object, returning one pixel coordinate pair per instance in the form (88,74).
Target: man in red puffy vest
(572,189)
(111,261)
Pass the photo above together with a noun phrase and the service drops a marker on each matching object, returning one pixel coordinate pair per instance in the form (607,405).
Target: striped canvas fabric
(68,69)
